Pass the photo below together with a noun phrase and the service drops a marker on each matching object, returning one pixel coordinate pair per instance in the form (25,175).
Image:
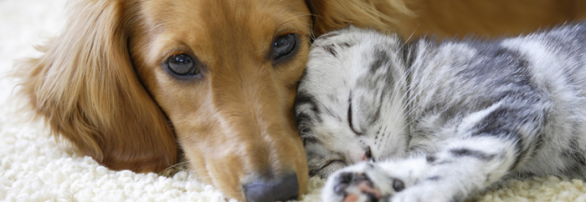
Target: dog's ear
(86,89)
(332,15)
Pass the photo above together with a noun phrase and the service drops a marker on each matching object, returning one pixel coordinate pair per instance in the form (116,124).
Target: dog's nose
(282,189)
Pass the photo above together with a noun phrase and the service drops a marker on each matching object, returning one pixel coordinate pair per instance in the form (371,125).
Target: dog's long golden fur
(103,85)
(447,18)
(87,90)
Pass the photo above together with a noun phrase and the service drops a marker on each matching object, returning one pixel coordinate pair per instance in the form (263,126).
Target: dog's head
(129,82)
(226,79)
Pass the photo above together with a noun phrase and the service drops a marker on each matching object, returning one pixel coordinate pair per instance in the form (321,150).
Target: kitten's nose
(281,189)
(368,155)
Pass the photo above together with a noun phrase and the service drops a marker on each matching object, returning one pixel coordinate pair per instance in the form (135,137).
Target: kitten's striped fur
(439,121)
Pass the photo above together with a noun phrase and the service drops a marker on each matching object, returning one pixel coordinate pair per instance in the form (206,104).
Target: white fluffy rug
(33,167)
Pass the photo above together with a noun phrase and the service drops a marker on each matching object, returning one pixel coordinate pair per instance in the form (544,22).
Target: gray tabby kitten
(428,121)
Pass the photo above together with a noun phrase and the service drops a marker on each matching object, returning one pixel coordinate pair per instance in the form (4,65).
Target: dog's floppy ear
(332,15)
(86,89)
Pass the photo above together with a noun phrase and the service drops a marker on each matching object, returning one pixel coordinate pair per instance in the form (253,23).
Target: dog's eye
(183,65)
(283,46)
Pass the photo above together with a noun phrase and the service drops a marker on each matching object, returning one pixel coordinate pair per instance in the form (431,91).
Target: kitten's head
(350,102)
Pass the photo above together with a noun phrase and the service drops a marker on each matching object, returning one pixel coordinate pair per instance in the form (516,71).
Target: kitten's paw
(361,182)
(356,187)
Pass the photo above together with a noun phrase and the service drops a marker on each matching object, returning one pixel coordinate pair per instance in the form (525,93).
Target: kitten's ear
(332,15)
(86,89)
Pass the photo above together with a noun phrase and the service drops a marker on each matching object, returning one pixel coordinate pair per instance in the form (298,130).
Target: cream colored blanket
(33,167)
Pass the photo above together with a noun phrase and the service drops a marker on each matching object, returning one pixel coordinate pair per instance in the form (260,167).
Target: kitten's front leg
(464,167)
(461,168)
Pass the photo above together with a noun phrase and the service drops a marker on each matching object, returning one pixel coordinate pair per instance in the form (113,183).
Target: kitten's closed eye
(327,168)
(350,123)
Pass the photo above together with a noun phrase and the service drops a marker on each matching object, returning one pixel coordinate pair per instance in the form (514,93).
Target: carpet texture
(34,167)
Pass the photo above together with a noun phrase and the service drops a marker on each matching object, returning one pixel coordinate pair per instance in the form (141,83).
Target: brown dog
(133,82)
